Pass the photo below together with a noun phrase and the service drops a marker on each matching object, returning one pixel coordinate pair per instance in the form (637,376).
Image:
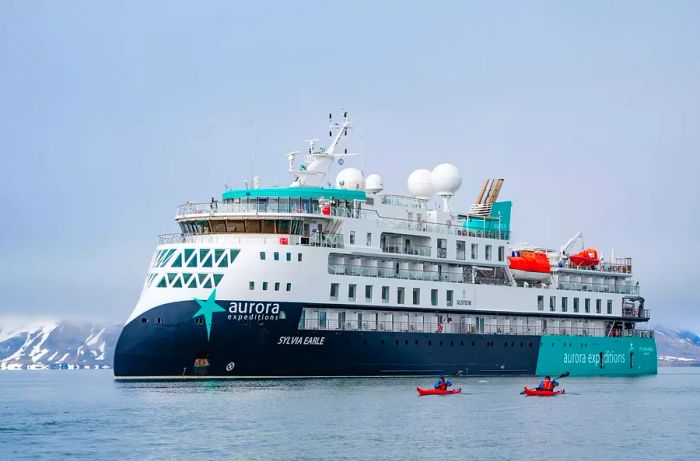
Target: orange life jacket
(547,384)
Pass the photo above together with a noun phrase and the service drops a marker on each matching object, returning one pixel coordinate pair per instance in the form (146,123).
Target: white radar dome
(350,178)
(374,183)
(420,184)
(445,179)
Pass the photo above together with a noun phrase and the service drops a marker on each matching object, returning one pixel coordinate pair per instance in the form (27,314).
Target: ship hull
(171,344)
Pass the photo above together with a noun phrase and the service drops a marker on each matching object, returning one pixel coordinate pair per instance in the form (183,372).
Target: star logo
(207,308)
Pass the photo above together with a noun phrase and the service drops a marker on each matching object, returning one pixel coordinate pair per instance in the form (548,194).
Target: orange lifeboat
(586,258)
(529,265)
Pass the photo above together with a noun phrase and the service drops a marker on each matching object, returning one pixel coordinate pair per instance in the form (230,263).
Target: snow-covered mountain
(57,344)
(677,347)
(61,344)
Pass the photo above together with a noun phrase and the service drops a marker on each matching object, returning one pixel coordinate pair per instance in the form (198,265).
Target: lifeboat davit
(529,265)
(586,258)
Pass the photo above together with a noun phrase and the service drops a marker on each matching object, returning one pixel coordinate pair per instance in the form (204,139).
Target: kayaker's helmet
(547,377)
(442,376)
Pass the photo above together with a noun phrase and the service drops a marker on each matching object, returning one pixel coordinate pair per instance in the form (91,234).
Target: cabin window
(334,291)
(262,256)
(289,256)
(289,286)
(368,292)
(552,303)
(598,304)
(488,252)
(369,239)
(322,319)
(564,303)
(461,250)
(352,237)
(501,253)
(609,306)
(576,305)
(450,297)
(277,255)
(540,303)
(587,305)
(277,286)
(299,257)
(475,251)
(352,289)
(251,285)
(416,296)
(434,297)
(400,294)
(442,248)
(385,294)
(264,286)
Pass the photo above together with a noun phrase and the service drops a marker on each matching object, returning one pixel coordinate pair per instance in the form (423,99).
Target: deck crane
(563,251)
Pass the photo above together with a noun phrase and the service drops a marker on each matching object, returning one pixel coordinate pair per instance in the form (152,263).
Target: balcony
(599,288)
(392,273)
(400,248)
(317,240)
(636,313)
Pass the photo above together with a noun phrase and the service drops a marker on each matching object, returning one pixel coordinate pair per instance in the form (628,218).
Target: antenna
(252,147)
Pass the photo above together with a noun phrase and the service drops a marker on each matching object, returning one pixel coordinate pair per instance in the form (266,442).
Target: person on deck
(442,384)
(548,384)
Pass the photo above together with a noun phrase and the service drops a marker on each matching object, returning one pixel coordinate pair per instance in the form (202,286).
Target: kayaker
(442,384)
(547,384)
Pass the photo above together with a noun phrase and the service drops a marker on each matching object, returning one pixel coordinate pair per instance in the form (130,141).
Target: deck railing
(391,272)
(461,328)
(400,248)
(318,240)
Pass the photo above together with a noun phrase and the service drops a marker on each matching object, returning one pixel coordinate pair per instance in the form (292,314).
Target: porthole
(406,342)
(430,343)
(505,344)
(397,342)
(441,343)
(452,343)
(144,320)
(159,320)
(473,344)
(416,342)
(530,343)
(382,342)
(347,341)
(461,343)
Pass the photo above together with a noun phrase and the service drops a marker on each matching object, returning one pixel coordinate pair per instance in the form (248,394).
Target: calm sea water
(86,415)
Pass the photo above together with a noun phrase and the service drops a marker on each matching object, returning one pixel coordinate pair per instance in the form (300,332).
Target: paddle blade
(564,375)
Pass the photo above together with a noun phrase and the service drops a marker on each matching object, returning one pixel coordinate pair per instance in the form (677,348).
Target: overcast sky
(113,114)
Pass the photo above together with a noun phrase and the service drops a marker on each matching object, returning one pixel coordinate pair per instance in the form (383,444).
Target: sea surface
(84,414)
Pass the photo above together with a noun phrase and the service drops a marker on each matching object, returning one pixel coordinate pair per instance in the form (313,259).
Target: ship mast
(318,161)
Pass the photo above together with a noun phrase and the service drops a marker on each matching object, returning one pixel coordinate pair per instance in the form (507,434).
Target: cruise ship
(334,277)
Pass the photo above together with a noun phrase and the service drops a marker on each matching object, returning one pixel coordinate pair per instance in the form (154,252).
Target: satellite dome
(445,179)
(374,183)
(349,178)
(420,185)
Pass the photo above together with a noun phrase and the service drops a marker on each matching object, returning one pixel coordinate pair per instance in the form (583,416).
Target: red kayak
(422,391)
(542,392)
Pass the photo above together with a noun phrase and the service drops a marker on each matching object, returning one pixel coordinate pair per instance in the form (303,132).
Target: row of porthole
(452,343)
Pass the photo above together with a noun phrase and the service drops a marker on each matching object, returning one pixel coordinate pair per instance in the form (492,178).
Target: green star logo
(207,308)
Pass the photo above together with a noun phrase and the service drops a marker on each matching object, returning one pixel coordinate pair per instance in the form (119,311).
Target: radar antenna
(318,161)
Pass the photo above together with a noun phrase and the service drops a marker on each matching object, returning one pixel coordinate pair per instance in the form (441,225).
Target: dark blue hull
(170,343)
